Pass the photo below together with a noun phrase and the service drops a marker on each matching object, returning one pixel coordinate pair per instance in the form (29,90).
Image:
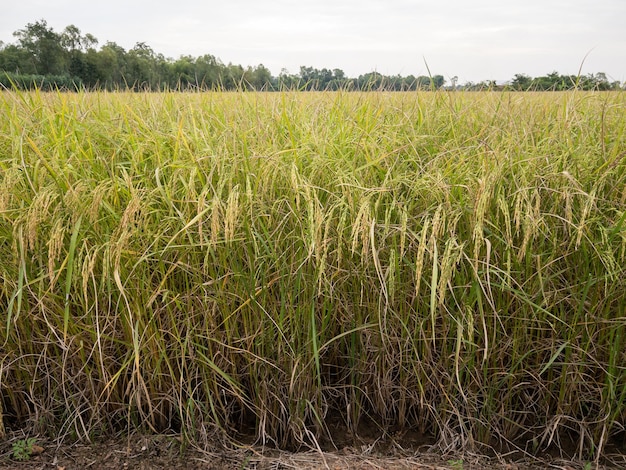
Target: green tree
(261,78)
(600,81)
(111,64)
(207,72)
(93,75)
(309,78)
(422,82)
(232,77)
(287,81)
(16,60)
(371,81)
(438,81)
(521,82)
(552,82)
(73,40)
(44,46)
(141,65)
(183,71)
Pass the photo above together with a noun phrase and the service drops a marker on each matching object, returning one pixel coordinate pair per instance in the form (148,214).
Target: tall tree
(438,81)
(44,45)
(112,65)
(207,71)
(15,59)
(141,64)
(261,78)
(521,82)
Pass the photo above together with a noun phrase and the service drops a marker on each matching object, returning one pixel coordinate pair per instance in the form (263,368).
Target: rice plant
(268,262)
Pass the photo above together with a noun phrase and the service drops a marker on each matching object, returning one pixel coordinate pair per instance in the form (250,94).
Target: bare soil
(146,452)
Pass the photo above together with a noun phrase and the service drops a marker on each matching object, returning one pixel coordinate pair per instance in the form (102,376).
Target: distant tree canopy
(44,58)
(557,82)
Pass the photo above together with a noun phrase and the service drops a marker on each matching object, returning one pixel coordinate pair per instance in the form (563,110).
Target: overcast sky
(474,40)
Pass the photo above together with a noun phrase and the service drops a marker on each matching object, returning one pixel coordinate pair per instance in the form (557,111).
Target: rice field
(274,263)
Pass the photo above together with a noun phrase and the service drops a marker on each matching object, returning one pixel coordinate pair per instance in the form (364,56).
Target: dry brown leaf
(36,450)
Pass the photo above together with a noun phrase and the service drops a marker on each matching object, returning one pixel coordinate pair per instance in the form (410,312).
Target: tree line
(70,59)
(44,58)
(557,82)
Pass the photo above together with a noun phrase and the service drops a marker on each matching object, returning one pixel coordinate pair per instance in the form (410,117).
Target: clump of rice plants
(451,262)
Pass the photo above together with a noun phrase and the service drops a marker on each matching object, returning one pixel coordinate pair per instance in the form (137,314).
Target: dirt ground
(165,452)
